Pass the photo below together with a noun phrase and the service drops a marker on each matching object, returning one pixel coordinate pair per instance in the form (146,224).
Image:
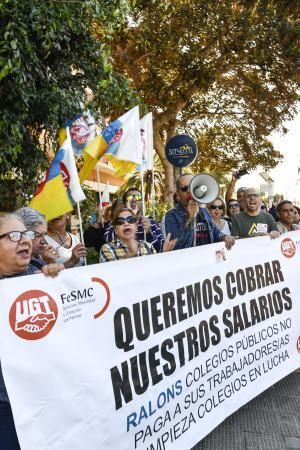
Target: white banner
(149,353)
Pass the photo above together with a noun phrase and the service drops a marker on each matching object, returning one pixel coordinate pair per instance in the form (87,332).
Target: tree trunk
(169,170)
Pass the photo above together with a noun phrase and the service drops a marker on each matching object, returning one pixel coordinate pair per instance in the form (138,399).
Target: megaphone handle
(195,229)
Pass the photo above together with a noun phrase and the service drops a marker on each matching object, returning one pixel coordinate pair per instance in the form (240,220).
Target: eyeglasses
(122,220)
(16,236)
(234,205)
(137,197)
(217,207)
(183,188)
(40,236)
(252,195)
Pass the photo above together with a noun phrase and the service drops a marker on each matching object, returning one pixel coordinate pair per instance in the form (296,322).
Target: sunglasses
(122,220)
(137,197)
(16,236)
(183,188)
(234,205)
(217,207)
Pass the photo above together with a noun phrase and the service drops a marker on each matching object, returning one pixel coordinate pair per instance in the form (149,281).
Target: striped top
(115,250)
(154,236)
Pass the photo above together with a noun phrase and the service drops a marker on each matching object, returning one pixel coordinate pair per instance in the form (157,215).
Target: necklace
(61,239)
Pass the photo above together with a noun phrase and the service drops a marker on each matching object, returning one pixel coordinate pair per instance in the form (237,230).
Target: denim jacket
(175,223)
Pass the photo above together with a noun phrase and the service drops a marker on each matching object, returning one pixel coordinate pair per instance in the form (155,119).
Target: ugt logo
(288,248)
(298,344)
(33,315)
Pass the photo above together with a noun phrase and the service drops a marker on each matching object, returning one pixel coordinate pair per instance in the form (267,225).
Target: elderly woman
(125,244)
(42,253)
(70,251)
(15,255)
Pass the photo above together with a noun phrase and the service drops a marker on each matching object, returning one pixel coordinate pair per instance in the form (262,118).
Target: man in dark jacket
(190,224)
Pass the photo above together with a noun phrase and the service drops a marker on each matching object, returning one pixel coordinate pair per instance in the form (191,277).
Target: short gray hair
(4,216)
(31,217)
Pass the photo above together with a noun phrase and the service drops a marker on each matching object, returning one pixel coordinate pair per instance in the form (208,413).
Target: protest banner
(152,352)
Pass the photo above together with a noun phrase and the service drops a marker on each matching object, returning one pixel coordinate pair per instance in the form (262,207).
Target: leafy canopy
(225,72)
(51,67)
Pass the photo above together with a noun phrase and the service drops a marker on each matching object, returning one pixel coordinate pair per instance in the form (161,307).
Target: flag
(59,191)
(121,143)
(105,196)
(146,129)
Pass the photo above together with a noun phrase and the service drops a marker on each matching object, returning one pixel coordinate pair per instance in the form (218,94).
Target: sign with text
(153,352)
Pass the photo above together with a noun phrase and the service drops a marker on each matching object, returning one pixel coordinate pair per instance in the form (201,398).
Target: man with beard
(147,228)
(253,221)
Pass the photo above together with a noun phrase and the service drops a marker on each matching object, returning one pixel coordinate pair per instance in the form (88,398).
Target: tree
(51,67)
(223,71)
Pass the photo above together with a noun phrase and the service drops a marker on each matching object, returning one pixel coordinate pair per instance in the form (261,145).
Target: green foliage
(160,210)
(50,62)
(226,73)
(87,207)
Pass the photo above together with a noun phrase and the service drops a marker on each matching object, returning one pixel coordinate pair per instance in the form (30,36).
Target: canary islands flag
(61,189)
(121,143)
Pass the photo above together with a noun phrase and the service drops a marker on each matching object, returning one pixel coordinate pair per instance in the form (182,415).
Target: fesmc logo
(34,313)
(288,248)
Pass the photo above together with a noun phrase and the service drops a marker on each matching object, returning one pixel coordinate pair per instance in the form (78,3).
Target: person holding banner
(125,245)
(42,253)
(147,228)
(15,255)
(69,249)
(187,218)
(253,221)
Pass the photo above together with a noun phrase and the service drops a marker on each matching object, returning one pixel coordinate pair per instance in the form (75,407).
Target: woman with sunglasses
(125,245)
(70,251)
(217,210)
(147,228)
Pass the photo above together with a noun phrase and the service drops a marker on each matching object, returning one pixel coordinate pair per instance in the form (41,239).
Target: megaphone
(204,188)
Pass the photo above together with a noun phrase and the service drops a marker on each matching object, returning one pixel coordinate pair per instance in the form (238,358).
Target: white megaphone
(204,188)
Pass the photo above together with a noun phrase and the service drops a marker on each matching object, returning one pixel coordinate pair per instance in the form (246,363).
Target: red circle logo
(33,315)
(288,248)
(298,344)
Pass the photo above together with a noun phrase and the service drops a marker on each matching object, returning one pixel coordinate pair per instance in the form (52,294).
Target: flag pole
(99,185)
(153,194)
(81,229)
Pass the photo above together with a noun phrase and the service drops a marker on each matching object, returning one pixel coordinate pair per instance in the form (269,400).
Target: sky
(285,175)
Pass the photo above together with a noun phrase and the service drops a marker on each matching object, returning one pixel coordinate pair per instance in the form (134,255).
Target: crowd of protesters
(29,245)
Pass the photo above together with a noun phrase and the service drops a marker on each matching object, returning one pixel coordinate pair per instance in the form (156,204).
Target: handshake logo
(33,315)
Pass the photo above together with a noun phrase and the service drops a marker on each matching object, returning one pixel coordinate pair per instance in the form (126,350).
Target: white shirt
(64,254)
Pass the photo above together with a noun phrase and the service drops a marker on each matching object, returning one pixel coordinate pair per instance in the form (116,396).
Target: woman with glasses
(125,245)
(42,253)
(217,210)
(15,256)
(147,228)
(233,208)
(70,251)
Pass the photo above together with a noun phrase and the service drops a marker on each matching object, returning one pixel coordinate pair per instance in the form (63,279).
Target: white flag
(124,140)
